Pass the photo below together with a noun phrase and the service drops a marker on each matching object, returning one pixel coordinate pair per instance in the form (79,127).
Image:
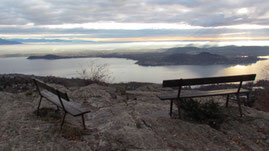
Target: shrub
(208,112)
(28,93)
(98,73)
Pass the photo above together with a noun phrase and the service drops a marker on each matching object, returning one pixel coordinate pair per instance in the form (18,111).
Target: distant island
(182,56)
(54,57)
(8,42)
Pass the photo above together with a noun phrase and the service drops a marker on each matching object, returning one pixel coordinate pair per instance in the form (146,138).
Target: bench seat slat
(192,94)
(70,107)
(208,80)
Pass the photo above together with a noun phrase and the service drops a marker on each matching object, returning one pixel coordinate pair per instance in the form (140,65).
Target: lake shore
(229,55)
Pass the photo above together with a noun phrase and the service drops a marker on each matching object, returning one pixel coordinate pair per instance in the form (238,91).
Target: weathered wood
(71,108)
(63,95)
(60,99)
(193,94)
(208,80)
(40,84)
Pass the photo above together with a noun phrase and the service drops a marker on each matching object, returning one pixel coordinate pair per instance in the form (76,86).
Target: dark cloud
(195,12)
(205,13)
(117,33)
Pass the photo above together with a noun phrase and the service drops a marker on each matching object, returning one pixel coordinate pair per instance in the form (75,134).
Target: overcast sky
(135,20)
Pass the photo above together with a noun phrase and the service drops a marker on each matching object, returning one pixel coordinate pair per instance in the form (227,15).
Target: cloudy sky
(135,20)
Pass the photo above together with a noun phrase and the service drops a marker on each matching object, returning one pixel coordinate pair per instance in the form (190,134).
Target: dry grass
(71,133)
(68,132)
(48,114)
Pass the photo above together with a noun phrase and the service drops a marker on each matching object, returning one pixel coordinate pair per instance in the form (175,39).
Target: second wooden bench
(209,80)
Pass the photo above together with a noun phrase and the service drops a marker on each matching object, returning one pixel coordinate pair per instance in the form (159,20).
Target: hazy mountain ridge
(184,56)
(203,58)
(225,50)
(50,41)
(8,42)
(71,41)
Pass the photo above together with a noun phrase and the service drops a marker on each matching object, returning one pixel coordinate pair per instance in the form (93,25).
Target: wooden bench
(60,99)
(202,81)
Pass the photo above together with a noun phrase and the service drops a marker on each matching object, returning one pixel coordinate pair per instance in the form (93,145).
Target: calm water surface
(123,70)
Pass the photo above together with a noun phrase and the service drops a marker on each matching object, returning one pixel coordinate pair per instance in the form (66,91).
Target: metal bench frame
(60,99)
(209,80)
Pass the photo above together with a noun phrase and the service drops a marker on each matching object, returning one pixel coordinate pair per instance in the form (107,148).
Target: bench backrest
(61,95)
(41,85)
(208,80)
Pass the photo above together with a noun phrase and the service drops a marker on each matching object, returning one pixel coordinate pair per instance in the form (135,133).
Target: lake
(123,70)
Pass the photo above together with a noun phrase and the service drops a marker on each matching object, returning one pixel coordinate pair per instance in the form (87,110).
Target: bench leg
(178,107)
(63,120)
(171,108)
(248,100)
(58,109)
(83,121)
(227,100)
(239,104)
(39,105)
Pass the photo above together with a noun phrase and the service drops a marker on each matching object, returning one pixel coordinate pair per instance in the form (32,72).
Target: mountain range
(8,42)
(179,56)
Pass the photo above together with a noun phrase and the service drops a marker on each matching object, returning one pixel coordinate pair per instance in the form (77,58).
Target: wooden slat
(63,95)
(41,84)
(193,94)
(71,108)
(208,80)
(51,97)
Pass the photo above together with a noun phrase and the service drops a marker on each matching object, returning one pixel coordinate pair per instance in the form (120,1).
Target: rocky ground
(122,120)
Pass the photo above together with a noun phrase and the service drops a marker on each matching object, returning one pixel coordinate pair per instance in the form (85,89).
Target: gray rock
(137,120)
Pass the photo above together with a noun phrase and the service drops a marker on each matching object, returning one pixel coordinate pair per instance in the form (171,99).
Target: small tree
(98,73)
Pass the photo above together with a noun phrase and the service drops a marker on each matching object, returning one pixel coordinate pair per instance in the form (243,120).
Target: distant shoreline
(188,59)
(9,42)
(181,56)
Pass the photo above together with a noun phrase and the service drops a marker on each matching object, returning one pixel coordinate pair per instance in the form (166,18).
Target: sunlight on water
(257,68)
(123,70)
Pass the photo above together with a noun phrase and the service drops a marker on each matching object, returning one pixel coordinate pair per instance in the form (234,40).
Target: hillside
(169,57)
(203,58)
(120,120)
(196,56)
(225,50)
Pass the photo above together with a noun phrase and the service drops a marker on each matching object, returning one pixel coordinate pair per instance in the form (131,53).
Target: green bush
(208,112)
(28,93)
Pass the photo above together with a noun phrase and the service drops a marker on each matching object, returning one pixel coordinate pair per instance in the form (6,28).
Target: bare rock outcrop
(135,120)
